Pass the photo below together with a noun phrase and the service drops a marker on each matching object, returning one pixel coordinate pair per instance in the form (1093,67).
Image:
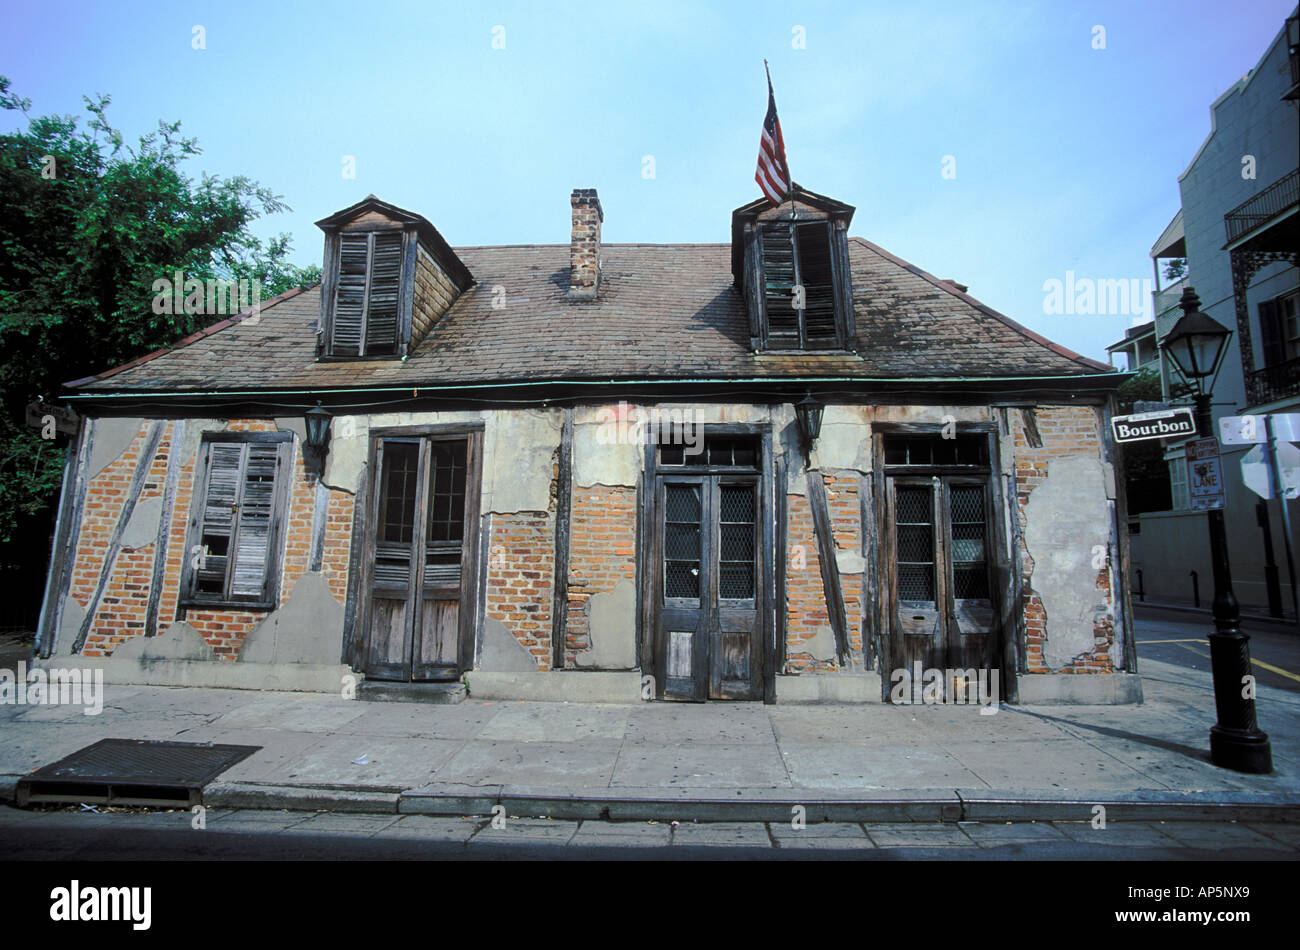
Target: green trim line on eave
(783,381)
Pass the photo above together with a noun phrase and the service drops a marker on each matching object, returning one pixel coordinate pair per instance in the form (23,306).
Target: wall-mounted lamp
(808,416)
(317,445)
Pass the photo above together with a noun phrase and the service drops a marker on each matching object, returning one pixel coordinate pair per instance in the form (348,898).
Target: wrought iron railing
(1274,382)
(1263,207)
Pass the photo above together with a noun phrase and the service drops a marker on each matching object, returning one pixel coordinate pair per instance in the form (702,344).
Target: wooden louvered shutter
(814,256)
(350,297)
(1271,340)
(256,517)
(385,288)
(225,466)
(236,525)
(778,284)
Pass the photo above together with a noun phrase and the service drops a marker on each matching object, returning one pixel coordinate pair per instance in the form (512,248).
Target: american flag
(773,174)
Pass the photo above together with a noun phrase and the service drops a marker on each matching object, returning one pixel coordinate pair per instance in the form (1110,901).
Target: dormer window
(791,264)
(367,295)
(798,285)
(388,279)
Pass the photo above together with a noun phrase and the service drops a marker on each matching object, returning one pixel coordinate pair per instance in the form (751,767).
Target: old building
(778,469)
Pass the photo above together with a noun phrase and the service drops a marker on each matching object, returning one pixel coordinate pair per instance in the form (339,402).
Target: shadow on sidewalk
(1191,752)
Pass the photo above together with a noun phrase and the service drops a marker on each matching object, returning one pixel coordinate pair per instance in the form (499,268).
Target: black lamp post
(1197,344)
(317,445)
(808,416)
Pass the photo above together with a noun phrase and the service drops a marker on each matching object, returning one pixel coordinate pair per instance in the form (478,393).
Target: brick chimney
(584,246)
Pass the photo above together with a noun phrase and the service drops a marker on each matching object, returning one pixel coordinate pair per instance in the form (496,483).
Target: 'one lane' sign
(1167,424)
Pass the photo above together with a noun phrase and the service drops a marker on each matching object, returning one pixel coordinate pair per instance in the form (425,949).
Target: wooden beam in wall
(142,466)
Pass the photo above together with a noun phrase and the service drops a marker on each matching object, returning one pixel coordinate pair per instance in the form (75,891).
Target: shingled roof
(665,312)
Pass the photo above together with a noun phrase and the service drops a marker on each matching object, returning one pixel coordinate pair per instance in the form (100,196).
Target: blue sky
(1066,156)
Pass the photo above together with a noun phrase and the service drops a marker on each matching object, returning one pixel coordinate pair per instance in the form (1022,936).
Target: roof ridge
(195,336)
(984,308)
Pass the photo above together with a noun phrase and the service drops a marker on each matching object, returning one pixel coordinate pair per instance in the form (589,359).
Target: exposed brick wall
(123,607)
(846,516)
(520,575)
(1065,431)
(602,552)
(805,601)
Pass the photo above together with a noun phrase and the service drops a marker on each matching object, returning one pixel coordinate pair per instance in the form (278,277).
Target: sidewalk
(711,762)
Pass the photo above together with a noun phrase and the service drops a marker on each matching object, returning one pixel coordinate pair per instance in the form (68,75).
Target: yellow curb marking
(1254,662)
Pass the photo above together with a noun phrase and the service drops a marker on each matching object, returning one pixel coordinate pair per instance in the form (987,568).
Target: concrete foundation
(1110,689)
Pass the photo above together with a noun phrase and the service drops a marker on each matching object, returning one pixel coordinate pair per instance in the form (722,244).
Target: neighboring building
(578,472)
(1138,347)
(1239,230)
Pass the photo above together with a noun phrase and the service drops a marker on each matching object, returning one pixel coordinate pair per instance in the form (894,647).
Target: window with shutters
(801,300)
(236,520)
(365,316)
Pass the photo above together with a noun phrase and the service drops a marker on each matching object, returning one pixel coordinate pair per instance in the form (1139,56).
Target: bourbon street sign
(1167,424)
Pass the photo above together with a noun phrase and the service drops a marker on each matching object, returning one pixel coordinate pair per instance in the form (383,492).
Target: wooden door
(421,563)
(941,589)
(710,589)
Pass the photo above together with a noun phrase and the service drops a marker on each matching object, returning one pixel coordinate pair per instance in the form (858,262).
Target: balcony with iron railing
(1274,382)
(1275,200)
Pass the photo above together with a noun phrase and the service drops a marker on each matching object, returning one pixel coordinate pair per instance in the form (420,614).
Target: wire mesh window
(914,524)
(970,578)
(736,531)
(682,523)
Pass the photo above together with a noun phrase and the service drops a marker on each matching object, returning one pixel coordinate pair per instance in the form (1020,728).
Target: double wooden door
(710,592)
(942,606)
(420,573)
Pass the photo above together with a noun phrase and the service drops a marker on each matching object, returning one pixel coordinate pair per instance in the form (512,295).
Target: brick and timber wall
(1063,431)
(121,613)
(602,552)
(807,613)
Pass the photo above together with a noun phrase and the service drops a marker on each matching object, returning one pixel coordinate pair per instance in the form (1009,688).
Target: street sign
(1248,429)
(1167,424)
(65,420)
(1204,476)
(1255,470)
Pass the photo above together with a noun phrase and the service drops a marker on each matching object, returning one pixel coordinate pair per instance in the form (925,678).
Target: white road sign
(1204,476)
(1254,471)
(1169,424)
(1245,430)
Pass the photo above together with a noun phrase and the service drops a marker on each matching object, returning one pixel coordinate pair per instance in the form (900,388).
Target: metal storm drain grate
(132,772)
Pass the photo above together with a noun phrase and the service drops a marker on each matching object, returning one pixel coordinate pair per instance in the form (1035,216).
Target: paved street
(283,835)
(1178,637)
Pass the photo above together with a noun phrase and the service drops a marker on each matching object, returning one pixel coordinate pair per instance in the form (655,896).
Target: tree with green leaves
(88,223)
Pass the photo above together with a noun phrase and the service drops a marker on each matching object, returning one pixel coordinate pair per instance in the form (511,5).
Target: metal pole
(1236,741)
(1275,485)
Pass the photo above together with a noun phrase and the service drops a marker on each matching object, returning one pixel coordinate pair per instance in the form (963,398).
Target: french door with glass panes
(941,589)
(420,560)
(709,590)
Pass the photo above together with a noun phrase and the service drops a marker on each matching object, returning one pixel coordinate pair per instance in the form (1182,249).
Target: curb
(764,805)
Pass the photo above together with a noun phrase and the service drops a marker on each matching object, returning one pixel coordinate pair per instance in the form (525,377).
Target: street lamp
(808,417)
(1197,344)
(317,444)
